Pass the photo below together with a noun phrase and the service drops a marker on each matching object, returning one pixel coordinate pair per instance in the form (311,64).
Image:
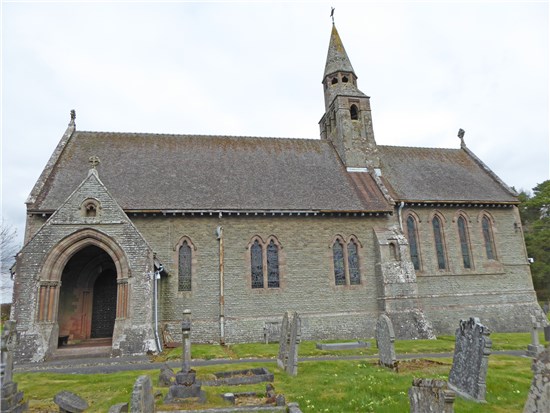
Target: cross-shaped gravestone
(535,347)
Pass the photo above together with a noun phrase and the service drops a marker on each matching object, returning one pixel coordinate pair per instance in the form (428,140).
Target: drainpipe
(155,299)
(401,205)
(219,233)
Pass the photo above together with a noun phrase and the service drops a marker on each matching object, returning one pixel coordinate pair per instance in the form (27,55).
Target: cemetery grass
(321,386)
(443,344)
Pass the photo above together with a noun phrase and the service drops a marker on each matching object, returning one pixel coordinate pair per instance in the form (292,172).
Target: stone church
(126,230)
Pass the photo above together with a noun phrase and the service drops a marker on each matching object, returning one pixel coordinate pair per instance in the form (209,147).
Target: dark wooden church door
(104,305)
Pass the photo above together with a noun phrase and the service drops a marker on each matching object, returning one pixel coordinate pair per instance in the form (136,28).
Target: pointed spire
(337,58)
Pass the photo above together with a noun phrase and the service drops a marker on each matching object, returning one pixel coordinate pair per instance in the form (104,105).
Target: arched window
(272,265)
(354,112)
(413,242)
(464,242)
(353,264)
(338,259)
(256,265)
(488,238)
(439,243)
(184,267)
(334,80)
(344,79)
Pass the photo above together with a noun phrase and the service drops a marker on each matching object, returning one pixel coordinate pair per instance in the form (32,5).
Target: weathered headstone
(272,331)
(11,399)
(142,400)
(430,395)
(538,399)
(69,402)
(119,408)
(282,356)
(385,339)
(535,347)
(167,377)
(470,360)
(291,328)
(186,385)
(294,341)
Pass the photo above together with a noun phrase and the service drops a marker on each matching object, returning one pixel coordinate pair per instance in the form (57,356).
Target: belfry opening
(88,296)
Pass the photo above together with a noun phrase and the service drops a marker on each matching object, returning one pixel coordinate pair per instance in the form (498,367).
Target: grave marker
(470,360)
(385,339)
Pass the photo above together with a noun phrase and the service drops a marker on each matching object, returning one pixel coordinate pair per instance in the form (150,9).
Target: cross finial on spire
(94,161)
(332,14)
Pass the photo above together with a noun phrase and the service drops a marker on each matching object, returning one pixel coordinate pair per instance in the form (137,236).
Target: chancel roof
(153,172)
(440,175)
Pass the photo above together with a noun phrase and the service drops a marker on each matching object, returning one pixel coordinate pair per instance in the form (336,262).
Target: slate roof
(337,58)
(436,174)
(152,172)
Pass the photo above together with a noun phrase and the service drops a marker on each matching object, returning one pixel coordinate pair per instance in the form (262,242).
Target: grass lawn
(322,386)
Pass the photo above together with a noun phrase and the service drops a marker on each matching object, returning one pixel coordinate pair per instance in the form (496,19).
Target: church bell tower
(347,121)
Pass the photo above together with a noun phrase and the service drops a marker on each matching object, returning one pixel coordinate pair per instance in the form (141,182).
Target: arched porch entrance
(88,295)
(84,287)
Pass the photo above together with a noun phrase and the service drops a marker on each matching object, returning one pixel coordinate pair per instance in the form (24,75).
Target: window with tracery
(184,267)
(464,242)
(488,238)
(264,264)
(413,242)
(345,259)
(439,243)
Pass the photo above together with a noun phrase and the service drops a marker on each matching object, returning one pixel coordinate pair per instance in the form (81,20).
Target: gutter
(155,305)
(401,205)
(219,234)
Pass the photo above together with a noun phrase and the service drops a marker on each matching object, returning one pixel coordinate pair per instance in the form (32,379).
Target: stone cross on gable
(94,161)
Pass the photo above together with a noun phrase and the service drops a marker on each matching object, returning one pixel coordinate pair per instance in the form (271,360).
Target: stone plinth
(430,395)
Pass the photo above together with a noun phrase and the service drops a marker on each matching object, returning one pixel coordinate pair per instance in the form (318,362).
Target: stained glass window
(184,274)
(272,265)
(488,238)
(256,263)
(439,247)
(464,245)
(338,258)
(413,242)
(353,264)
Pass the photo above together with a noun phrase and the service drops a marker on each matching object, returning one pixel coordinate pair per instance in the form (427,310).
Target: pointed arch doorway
(88,295)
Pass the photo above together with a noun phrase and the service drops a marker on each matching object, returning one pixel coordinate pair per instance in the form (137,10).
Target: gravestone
(11,400)
(385,339)
(167,377)
(282,356)
(291,330)
(186,386)
(69,402)
(535,347)
(119,408)
(538,399)
(142,400)
(272,331)
(430,395)
(294,341)
(470,360)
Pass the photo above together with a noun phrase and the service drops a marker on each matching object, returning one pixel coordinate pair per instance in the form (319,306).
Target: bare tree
(8,247)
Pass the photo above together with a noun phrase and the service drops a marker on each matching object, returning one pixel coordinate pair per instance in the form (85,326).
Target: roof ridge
(417,147)
(187,135)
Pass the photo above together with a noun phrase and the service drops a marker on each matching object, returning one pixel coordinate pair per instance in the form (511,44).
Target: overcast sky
(255,69)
